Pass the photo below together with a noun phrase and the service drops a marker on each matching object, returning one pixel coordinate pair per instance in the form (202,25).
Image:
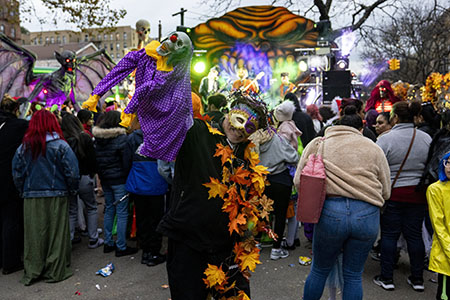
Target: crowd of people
(387,170)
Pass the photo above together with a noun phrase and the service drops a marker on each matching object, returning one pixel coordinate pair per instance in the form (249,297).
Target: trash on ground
(304,260)
(97,286)
(106,271)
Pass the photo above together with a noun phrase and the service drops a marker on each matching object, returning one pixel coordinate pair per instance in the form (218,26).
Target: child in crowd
(439,206)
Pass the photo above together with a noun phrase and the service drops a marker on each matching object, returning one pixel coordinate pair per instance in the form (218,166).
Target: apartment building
(117,43)
(9,19)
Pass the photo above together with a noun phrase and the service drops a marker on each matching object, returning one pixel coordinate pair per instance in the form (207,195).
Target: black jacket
(85,152)
(11,135)
(440,145)
(305,124)
(109,154)
(193,218)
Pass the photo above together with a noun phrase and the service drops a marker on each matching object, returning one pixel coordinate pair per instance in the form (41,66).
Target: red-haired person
(45,172)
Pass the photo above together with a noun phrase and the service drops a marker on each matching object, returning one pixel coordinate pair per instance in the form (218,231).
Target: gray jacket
(276,153)
(395,145)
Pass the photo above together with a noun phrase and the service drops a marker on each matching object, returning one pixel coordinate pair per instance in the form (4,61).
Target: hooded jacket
(438,196)
(110,146)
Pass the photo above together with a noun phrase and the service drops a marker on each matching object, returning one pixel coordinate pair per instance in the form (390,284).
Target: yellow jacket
(438,196)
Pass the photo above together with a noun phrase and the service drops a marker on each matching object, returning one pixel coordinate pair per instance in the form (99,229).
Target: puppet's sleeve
(125,66)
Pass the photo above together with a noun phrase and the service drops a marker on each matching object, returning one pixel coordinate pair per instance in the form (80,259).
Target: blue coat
(54,174)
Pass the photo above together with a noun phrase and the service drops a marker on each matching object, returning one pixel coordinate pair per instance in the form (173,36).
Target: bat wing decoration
(75,79)
(90,70)
(16,69)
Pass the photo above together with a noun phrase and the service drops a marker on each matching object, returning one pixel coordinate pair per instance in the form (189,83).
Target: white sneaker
(278,253)
(97,244)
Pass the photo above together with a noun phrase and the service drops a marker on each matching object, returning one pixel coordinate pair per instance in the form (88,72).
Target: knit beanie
(284,111)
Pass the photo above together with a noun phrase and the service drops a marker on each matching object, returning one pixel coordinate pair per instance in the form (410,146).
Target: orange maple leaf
(214,276)
(205,118)
(249,260)
(240,176)
(234,223)
(215,188)
(231,207)
(225,153)
(238,250)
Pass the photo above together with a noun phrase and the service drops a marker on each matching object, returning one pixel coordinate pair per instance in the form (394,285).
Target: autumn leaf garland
(241,189)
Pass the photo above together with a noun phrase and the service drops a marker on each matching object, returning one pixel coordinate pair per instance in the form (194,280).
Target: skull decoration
(67,59)
(143,31)
(175,43)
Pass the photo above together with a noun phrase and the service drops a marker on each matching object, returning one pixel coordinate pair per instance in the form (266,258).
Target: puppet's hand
(91,103)
(126,119)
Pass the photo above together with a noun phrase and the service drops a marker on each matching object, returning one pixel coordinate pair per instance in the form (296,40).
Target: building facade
(9,19)
(117,43)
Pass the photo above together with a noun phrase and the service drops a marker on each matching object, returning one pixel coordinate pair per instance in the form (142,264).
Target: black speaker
(336,83)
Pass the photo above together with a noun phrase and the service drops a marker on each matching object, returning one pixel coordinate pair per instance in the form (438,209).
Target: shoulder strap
(404,160)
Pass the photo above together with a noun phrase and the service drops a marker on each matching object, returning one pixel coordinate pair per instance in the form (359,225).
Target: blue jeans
(406,218)
(348,226)
(114,193)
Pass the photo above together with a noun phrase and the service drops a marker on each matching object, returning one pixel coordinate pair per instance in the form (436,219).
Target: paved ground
(283,279)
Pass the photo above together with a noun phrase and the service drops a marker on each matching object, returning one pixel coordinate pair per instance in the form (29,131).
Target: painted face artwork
(243,118)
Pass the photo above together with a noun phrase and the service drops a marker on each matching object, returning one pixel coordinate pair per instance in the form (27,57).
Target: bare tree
(417,36)
(355,13)
(82,13)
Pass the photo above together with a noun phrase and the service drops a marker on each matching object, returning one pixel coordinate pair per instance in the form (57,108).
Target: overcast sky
(153,11)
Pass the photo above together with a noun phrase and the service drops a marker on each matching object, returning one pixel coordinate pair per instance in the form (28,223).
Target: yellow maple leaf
(260,170)
(251,155)
(226,174)
(249,260)
(243,296)
(224,152)
(213,130)
(214,276)
(258,182)
(215,188)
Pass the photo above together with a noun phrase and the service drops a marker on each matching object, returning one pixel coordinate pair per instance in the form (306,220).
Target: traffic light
(394,64)
(184,29)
